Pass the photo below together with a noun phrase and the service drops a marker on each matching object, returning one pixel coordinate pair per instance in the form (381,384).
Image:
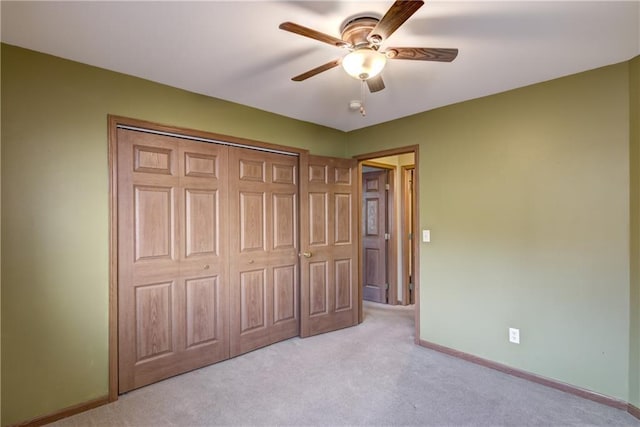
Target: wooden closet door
(172,284)
(329,265)
(263,248)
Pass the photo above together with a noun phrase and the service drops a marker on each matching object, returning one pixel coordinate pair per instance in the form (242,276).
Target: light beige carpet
(372,374)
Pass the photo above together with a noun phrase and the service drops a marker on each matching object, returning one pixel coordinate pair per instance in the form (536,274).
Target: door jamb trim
(406,270)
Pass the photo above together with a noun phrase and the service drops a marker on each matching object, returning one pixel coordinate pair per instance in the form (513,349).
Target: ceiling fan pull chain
(362,95)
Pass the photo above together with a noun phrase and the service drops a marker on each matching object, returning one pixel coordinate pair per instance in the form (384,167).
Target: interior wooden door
(172,267)
(329,262)
(374,242)
(264,276)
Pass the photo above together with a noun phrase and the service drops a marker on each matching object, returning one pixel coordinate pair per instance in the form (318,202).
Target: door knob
(251,261)
(206,267)
(307,254)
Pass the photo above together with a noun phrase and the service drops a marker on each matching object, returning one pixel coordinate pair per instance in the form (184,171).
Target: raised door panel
(372,290)
(203,306)
(151,159)
(285,221)
(344,284)
(285,293)
(284,173)
(153,224)
(344,218)
(328,238)
(201,165)
(154,319)
(202,225)
(318,219)
(319,288)
(253,302)
(251,233)
(252,170)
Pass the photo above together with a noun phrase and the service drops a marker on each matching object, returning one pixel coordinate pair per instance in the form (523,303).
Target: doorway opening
(388,220)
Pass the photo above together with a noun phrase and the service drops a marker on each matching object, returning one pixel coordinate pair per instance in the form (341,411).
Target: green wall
(55,213)
(634,163)
(526,194)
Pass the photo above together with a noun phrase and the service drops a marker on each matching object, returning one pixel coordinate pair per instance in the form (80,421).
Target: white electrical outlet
(514,335)
(426,236)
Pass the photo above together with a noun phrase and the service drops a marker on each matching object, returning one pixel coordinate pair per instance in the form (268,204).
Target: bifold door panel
(172,260)
(210,239)
(330,261)
(264,248)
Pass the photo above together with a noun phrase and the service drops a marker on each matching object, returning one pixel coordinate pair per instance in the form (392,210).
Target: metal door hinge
(410,286)
(410,236)
(387,236)
(386,187)
(386,286)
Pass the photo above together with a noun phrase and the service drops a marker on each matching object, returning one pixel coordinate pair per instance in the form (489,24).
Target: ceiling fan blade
(375,84)
(312,34)
(317,70)
(399,12)
(422,53)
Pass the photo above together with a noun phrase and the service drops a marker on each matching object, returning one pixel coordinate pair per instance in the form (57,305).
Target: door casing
(408,257)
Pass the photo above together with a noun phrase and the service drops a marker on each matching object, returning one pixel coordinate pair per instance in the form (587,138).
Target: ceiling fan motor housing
(356,32)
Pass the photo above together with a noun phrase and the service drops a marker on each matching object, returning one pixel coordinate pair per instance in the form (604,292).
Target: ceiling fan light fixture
(364,63)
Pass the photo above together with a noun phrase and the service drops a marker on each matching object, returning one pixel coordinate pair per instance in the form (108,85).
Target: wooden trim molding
(221,138)
(389,152)
(374,164)
(392,243)
(558,385)
(113,258)
(360,261)
(415,241)
(406,214)
(633,410)
(64,413)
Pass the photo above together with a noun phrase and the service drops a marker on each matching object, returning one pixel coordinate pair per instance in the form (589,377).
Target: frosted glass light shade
(364,63)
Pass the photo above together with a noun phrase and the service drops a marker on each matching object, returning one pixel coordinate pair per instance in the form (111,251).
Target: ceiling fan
(363,36)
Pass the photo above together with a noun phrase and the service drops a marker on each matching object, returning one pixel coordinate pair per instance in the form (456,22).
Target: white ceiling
(233,50)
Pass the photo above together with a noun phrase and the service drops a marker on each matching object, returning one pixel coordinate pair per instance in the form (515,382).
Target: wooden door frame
(392,245)
(406,270)
(416,224)
(113,122)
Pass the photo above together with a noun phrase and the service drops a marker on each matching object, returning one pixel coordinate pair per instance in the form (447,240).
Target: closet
(222,249)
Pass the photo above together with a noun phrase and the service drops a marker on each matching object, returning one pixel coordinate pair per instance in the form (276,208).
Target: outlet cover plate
(514,335)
